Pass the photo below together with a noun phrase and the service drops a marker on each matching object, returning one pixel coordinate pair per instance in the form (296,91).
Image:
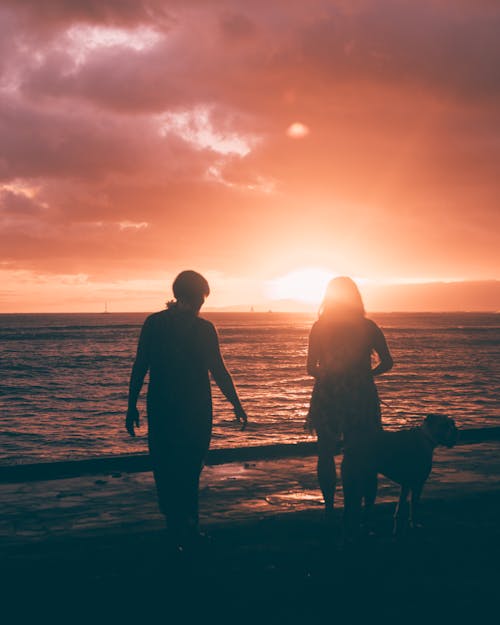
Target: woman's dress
(344,402)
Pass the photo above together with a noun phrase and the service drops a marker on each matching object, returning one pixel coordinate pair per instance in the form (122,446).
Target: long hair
(342,300)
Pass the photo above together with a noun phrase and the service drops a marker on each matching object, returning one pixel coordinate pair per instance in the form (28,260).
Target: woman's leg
(369,496)
(352,485)
(359,478)
(327,472)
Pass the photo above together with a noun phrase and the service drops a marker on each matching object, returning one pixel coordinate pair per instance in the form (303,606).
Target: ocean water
(64,378)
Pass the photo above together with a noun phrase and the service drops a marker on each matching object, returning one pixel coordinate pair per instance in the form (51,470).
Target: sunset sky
(268,145)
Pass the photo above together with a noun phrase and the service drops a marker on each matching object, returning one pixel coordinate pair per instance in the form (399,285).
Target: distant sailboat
(106,311)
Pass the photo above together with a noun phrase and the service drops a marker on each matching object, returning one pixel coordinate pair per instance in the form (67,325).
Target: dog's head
(442,429)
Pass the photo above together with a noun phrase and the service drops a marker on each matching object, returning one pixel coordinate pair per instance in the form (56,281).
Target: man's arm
(223,378)
(139,370)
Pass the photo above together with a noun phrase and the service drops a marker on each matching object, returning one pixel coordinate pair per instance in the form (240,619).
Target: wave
(64,384)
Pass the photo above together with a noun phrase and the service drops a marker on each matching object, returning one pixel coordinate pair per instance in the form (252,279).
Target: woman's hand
(308,425)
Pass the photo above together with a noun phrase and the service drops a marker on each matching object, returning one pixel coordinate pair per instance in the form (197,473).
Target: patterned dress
(344,402)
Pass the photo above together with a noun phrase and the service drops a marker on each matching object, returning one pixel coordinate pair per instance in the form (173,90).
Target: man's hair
(190,287)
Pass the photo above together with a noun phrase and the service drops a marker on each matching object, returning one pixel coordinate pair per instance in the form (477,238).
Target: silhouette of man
(179,349)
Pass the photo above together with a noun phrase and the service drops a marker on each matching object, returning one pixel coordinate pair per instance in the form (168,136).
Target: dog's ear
(452,435)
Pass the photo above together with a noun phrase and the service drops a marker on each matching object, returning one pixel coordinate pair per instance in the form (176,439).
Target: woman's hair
(190,287)
(342,299)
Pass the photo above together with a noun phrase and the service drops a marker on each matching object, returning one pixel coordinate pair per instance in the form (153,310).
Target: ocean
(64,378)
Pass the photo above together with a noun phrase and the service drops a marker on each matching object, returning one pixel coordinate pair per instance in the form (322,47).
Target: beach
(97,542)
(244,238)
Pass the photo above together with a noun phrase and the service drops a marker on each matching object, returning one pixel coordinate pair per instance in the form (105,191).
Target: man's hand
(308,426)
(241,416)
(132,420)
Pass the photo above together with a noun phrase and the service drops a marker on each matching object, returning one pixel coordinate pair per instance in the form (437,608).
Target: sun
(304,285)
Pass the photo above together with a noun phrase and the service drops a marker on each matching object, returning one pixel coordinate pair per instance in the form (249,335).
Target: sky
(268,145)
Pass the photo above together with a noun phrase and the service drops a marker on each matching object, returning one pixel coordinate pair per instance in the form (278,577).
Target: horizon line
(227,309)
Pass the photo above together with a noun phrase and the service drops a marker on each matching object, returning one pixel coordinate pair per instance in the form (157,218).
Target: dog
(405,457)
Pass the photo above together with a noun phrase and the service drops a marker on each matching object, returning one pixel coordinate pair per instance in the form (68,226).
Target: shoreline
(118,502)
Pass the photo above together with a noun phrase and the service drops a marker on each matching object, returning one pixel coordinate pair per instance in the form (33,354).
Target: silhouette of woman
(179,349)
(344,402)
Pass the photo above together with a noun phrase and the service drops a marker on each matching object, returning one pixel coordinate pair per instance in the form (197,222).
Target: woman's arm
(222,377)
(313,354)
(380,346)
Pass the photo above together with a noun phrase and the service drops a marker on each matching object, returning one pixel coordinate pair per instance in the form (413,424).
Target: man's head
(191,288)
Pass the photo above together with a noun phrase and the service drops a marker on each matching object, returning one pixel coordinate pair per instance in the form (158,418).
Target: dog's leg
(401,512)
(416,492)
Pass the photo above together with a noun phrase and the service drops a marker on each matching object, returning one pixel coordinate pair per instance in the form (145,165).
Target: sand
(94,546)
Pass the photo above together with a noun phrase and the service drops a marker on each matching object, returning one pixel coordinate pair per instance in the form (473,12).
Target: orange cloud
(153,136)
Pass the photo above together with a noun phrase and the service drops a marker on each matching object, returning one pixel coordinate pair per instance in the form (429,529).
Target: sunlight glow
(423,280)
(57,292)
(297,130)
(304,285)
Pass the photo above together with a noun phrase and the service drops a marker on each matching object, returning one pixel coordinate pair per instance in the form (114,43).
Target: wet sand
(95,546)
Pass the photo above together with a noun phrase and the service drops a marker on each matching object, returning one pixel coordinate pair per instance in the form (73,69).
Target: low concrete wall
(134,463)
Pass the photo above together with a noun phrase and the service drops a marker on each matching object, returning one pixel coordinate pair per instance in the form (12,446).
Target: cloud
(117,114)
(236,27)
(58,14)
(424,45)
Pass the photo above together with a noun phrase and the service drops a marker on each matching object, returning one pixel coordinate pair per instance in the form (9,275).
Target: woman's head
(342,299)
(191,288)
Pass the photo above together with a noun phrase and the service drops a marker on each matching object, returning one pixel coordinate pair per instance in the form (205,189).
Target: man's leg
(185,507)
